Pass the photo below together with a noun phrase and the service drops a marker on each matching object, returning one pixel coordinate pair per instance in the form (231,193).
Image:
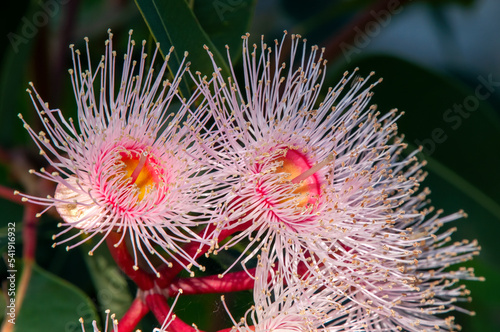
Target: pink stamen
(140,166)
(314,169)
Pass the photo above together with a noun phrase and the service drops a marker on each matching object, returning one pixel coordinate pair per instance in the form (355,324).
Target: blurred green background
(440,61)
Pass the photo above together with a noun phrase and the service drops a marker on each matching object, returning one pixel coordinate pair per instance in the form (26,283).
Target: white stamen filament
(314,169)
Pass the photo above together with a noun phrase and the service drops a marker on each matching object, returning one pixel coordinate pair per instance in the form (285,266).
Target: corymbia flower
(128,164)
(325,186)
(306,173)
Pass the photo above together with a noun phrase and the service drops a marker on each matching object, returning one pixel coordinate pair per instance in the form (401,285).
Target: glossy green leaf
(173,23)
(110,284)
(52,304)
(225,22)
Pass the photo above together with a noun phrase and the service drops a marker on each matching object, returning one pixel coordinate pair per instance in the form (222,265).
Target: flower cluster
(315,186)
(323,189)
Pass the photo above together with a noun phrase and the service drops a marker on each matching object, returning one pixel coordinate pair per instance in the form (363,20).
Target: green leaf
(110,284)
(52,304)
(225,21)
(173,23)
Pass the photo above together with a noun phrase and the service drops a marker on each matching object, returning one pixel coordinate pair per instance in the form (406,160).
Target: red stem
(8,194)
(122,257)
(231,282)
(29,231)
(133,316)
(160,308)
(193,249)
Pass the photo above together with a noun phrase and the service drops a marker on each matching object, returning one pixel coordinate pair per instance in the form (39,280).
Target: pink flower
(132,166)
(323,187)
(308,176)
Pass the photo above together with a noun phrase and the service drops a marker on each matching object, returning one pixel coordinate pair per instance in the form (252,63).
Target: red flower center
(295,163)
(142,170)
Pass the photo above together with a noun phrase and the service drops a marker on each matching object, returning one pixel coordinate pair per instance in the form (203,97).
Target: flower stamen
(139,167)
(313,169)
